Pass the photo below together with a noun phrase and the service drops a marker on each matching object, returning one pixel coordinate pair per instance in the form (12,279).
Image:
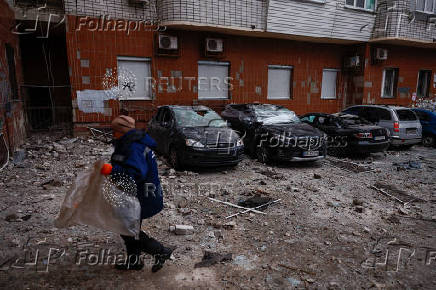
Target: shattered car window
(274,115)
(348,120)
(198,118)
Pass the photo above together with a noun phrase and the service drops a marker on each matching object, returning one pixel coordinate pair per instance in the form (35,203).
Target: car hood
(294,129)
(210,135)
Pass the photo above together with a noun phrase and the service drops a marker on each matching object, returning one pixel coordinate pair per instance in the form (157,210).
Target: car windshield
(187,117)
(406,115)
(269,115)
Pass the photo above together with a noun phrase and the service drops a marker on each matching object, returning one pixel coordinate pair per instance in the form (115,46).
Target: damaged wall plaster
(93,101)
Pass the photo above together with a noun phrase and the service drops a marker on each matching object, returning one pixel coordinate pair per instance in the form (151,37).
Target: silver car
(403,124)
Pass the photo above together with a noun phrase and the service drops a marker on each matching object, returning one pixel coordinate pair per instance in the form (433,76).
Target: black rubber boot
(134,260)
(159,259)
(156,249)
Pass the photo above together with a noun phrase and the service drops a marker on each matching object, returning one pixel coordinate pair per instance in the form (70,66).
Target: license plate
(378,138)
(411,131)
(310,153)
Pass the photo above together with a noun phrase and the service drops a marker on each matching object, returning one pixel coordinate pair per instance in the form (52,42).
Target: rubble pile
(326,225)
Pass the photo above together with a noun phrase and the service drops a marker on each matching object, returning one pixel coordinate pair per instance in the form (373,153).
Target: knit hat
(123,124)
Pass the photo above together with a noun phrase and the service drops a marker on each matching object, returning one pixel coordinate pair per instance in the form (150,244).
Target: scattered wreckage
(402,122)
(428,123)
(273,132)
(195,135)
(349,133)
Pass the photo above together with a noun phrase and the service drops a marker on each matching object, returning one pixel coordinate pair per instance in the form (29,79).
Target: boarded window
(389,83)
(329,81)
(213,80)
(134,78)
(279,82)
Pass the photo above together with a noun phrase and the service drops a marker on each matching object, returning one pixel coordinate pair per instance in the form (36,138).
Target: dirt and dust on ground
(340,224)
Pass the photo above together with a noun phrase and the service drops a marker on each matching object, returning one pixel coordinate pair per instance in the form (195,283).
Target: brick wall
(409,60)
(248,57)
(12,118)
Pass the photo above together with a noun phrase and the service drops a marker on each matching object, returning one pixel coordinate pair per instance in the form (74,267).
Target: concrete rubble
(330,229)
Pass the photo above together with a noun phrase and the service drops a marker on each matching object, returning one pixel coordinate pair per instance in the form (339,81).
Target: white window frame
(360,8)
(425,7)
(282,67)
(396,71)
(138,59)
(336,84)
(216,63)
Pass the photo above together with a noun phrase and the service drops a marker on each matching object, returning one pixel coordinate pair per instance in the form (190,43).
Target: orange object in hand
(106,169)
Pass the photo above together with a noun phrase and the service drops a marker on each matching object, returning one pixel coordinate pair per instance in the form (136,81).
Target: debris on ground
(182,229)
(409,165)
(210,259)
(255,201)
(349,166)
(311,232)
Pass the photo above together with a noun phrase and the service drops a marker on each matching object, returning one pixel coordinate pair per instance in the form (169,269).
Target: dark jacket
(134,157)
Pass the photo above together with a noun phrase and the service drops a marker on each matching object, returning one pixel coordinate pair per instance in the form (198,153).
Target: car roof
(194,108)
(394,107)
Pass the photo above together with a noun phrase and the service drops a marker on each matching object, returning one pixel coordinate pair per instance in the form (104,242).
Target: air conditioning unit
(352,62)
(381,54)
(168,42)
(214,45)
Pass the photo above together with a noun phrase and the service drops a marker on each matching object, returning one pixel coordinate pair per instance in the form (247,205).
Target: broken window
(279,82)
(187,117)
(270,114)
(134,78)
(329,81)
(213,80)
(389,83)
(361,4)
(424,78)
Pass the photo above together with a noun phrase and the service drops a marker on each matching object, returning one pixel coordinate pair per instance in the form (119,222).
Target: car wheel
(428,141)
(263,155)
(174,159)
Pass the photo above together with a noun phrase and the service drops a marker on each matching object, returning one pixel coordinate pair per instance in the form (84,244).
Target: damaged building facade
(12,119)
(311,56)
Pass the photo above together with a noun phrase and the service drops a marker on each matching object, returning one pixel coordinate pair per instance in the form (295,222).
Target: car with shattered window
(428,123)
(275,133)
(349,134)
(195,136)
(403,124)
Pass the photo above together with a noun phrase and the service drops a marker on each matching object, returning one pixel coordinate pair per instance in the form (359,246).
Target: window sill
(326,98)
(360,9)
(315,1)
(426,12)
(212,99)
(134,99)
(388,97)
(278,99)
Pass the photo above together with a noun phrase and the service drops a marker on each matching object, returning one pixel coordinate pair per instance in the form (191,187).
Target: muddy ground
(331,229)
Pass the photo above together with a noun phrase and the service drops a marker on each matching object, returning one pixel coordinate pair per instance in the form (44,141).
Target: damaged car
(195,136)
(428,123)
(349,133)
(273,132)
